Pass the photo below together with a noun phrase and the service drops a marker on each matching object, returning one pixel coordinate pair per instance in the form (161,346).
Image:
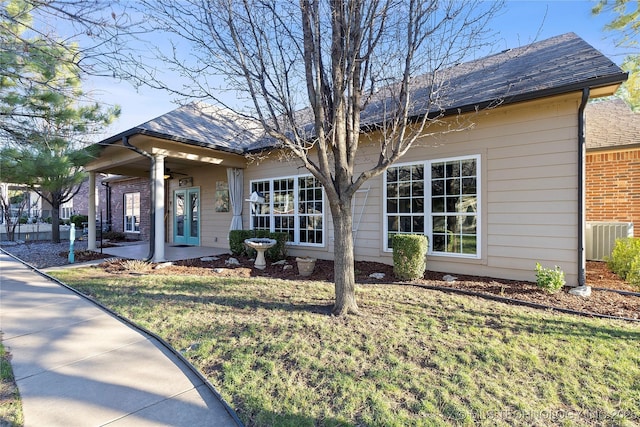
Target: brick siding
(81,199)
(118,190)
(613,187)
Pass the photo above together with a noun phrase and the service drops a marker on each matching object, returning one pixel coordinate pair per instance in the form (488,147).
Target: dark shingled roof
(611,124)
(558,65)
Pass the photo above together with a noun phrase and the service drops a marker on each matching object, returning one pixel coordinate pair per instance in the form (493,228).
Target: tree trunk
(55,224)
(344,270)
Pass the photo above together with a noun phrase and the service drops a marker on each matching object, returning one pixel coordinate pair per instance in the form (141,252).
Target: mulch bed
(603,302)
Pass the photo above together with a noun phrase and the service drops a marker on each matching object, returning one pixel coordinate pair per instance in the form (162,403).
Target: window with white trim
(132,212)
(66,210)
(293,205)
(437,198)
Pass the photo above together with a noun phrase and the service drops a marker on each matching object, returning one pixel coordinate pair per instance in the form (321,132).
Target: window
(438,198)
(66,210)
(293,205)
(132,212)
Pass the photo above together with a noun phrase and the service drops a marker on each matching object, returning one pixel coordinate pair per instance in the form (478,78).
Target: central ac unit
(601,238)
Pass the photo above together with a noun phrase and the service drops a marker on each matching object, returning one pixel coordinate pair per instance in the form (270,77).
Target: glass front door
(186,217)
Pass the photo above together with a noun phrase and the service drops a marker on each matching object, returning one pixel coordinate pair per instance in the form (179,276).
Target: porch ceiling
(118,159)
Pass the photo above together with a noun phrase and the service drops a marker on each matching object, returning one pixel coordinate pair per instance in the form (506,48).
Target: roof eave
(141,131)
(620,147)
(598,82)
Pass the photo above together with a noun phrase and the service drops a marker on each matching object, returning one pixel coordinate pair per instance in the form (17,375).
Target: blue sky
(520,23)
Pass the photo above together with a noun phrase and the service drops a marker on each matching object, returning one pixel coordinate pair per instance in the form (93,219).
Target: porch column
(158,209)
(91,237)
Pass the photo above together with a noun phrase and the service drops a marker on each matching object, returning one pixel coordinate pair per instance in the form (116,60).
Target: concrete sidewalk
(77,365)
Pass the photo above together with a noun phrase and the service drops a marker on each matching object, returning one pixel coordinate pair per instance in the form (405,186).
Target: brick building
(80,202)
(613,163)
(129,206)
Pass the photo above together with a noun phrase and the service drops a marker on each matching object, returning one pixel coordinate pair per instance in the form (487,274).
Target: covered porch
(172,252)
(183,178)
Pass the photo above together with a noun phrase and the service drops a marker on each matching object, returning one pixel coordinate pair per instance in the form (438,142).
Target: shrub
(114,236)
(137,266)
(550,279)
(409,256)
(634,273)
(625,260)
(277,252)
(78,220)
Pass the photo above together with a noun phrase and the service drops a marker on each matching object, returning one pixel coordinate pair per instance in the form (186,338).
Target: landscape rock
(163,265)
(193,347)
(209,258)
(449,278)
(288,267)
(232,261)
(219,270)
(581,291)
(377,276)
(281,262)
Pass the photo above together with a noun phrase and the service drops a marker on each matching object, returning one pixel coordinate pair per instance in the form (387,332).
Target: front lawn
(415,356)
(10,403)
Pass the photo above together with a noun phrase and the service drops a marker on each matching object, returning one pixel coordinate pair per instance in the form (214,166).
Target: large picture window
(132,212)
(292,205)
(438,198)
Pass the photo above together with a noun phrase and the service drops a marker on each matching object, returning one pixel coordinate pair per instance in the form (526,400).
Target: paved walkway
(77,365)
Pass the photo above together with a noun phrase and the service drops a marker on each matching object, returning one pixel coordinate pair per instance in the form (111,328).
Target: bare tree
(89,33)
(13,202)
(320,74)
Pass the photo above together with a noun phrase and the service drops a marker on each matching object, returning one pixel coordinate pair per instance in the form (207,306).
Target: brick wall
(613,187)
(81,199)
(118,190)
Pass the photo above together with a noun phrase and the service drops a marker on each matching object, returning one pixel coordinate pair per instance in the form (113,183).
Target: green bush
(277,252)
(23,220)
(78,220)
(114,236)
(236,241)
(409,256)
(625,260)
(550,279)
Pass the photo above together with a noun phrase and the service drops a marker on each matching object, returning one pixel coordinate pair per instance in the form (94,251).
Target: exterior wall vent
(601,238)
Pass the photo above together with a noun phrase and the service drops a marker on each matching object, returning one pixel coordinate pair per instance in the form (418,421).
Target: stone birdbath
(260,245)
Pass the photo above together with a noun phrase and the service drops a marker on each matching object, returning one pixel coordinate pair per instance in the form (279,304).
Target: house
(613,163)
(28,205)
(613,176)
(493,200)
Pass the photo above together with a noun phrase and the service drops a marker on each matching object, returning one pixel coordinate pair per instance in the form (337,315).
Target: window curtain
(235,177)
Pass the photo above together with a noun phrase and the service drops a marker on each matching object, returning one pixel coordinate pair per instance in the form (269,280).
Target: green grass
(415,357)
(10,404)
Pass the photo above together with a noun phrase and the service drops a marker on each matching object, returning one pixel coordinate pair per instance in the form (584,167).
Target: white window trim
(296,215)
(428,224)
(124,216)
(66,209)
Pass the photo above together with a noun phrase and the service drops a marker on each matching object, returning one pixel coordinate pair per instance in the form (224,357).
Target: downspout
(107,190)
(582,278)
(152,214)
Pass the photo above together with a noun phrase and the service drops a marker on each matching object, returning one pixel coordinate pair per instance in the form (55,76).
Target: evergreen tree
(47,119)
(626,26)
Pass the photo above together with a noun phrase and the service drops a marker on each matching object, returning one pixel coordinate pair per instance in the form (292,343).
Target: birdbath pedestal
(260,245)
